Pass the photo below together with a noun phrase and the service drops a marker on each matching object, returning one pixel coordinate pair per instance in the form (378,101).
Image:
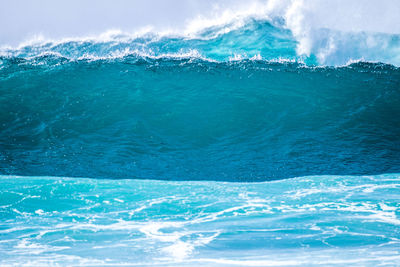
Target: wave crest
(286,30)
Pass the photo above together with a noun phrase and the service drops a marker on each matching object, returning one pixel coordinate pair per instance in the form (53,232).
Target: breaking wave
(308,32)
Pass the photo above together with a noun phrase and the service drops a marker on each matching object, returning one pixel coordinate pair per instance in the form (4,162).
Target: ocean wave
(193,119)
(254,37)
(260,133)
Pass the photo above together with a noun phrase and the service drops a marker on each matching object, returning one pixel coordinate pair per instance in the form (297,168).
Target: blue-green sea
(221,149)
(307,221)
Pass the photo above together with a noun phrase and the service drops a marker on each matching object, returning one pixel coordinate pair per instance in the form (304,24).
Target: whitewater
(309,221)
(264,134)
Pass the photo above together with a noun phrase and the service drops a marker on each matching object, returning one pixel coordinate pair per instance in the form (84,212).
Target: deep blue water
(190,119)
(238,106)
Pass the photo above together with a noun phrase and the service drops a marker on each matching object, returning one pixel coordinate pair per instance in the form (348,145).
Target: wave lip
(245,42)
(261,38)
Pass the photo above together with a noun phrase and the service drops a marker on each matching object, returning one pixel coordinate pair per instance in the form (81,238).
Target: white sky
(21,20)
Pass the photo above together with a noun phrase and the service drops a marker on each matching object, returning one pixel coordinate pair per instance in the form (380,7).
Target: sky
(22,20)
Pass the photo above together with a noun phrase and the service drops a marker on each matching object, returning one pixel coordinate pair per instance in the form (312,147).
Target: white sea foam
(334,32)
(187,223)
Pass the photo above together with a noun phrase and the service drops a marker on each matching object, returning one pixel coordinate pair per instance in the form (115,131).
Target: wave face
(308,221)
(194,119)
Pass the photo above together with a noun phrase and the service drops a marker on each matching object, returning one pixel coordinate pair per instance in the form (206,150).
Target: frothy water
(336,220)
(315,32)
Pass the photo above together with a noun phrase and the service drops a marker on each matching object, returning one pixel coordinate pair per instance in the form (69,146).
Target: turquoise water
(189,146)
(340,220)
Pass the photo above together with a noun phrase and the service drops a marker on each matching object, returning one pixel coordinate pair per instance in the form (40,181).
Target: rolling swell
(191,119)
